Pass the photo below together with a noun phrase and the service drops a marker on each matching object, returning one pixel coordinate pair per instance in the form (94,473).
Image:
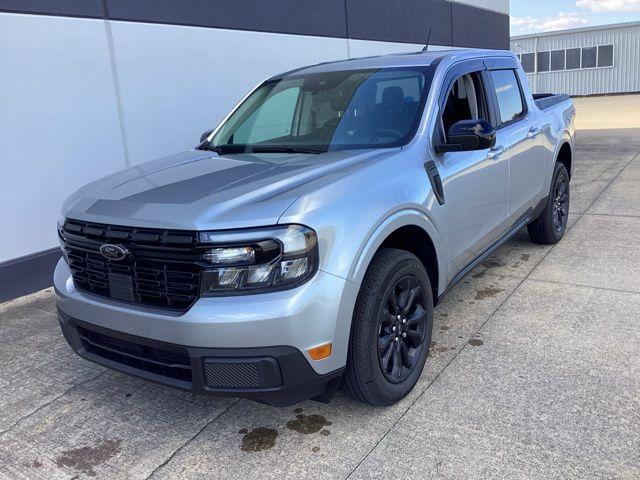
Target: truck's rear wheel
(391,329)
(550,226)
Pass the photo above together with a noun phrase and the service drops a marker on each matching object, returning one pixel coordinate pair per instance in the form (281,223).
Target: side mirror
(204,135)
(467,135)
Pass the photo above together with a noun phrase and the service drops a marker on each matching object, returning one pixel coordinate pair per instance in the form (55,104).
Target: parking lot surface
(534,372)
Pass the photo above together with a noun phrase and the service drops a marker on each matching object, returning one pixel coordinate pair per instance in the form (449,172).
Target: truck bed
(547,100)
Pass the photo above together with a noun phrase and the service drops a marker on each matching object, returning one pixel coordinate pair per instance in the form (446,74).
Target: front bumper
(279,326)
(279,376)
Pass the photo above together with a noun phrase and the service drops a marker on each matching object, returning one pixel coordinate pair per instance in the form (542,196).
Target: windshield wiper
(274,149)
(212,148)
(226,148)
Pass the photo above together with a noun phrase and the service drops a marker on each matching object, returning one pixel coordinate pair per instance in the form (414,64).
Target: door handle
(533,131)
(495,152)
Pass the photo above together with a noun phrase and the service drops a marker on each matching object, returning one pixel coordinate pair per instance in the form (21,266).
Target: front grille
(168,361)
(161,268)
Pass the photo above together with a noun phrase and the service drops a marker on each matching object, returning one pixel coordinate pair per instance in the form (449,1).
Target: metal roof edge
(610,26)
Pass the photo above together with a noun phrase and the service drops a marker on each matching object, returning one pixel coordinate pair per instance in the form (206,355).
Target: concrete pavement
(534,372)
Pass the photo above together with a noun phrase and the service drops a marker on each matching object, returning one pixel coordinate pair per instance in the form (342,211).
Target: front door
(475,183)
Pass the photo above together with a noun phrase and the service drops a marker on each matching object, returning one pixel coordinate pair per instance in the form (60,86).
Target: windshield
(327,111)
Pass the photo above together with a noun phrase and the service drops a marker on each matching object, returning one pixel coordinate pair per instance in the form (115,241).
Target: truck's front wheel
(391,329)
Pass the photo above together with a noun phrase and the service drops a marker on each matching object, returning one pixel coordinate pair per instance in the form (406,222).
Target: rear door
(517,138)
(475,184)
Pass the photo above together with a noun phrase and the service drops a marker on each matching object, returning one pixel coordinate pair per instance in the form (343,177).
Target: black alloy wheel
(390,330)
(551,224)
(560,203)
(403,322)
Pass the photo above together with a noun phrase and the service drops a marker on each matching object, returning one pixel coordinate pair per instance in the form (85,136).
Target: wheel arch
(411,231)
(565,156)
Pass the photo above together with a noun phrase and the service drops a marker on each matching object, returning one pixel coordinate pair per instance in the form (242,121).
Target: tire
(385,378)
(550,226)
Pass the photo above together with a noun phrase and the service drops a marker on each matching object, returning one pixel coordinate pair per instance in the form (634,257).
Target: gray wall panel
(306,17)
(406,21)
(476,27)
(73,8)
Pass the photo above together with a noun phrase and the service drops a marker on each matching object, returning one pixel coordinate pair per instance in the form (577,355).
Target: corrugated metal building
(583,61)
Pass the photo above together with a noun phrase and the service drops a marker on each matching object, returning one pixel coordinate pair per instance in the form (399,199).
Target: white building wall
(59,124)
(82,98)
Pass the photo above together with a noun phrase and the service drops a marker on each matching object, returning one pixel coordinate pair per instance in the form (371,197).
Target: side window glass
(589,56)
(508,94)
(271,121)
(528,62)
(465,101)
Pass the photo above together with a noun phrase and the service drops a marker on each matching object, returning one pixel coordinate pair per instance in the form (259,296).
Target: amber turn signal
(318,353)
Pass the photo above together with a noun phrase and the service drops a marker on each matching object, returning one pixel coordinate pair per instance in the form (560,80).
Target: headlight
(258,260)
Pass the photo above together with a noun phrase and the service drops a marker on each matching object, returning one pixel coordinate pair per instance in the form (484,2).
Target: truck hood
(199,190)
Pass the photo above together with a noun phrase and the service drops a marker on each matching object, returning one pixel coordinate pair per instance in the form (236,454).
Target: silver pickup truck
(305,242)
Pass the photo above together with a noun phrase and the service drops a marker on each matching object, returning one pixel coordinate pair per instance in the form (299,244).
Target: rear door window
(508,94)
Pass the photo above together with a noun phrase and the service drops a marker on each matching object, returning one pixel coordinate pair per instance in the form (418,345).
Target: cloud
(610,5)
(561,21)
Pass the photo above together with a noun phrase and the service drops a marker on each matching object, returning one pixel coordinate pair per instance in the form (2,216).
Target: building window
(605,56)
(557,60)
(589,56)
(569,59)
(573,58)
(543,61)
(528,62)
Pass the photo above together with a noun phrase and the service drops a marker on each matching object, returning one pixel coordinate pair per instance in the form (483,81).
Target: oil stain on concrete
(258,439)
(307,424)
(84,459)
(488,292)
(493,263)
(476,342)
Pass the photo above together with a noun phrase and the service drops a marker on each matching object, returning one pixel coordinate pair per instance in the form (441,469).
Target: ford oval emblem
(113,252)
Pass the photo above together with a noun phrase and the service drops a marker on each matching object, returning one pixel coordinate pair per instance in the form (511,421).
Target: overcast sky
(529,16)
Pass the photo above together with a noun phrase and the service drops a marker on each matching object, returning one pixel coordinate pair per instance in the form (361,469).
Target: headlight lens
(258,260)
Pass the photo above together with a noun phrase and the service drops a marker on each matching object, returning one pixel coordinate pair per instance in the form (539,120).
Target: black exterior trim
(407,21)
(548,100)
(435,180)
(28,274)
(287,377)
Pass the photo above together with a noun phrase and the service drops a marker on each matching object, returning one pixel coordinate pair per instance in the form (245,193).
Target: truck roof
(409,59)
